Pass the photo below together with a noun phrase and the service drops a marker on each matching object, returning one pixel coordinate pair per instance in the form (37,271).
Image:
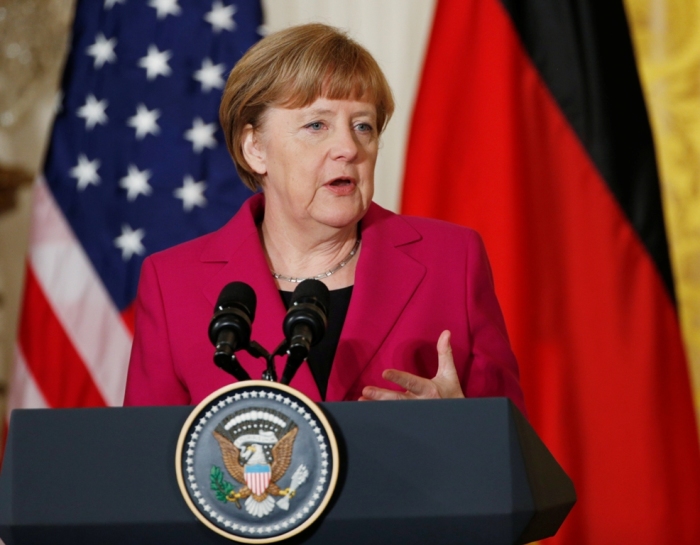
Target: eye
(315,126)
(364,127)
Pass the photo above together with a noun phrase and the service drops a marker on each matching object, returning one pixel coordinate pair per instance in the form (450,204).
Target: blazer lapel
(237,246)
(385,281)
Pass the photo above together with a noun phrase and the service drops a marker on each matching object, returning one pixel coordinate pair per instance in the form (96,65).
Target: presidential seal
(257,462)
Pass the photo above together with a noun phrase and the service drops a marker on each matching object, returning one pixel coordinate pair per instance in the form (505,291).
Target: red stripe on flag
(597,337)
(44,342)
(128,317)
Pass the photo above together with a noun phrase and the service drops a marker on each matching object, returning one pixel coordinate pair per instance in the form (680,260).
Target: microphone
(305,323)
(230,327)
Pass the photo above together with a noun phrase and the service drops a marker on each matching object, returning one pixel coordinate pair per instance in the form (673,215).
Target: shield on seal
(257,477)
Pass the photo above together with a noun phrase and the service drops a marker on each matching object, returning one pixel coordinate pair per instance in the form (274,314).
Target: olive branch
(221,487)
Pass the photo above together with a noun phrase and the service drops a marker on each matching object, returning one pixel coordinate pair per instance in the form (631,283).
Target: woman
(302,112)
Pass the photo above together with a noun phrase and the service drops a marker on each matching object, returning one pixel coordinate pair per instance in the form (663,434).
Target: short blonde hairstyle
(291,69)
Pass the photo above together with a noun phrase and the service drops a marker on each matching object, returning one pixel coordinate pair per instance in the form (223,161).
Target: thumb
(446,364)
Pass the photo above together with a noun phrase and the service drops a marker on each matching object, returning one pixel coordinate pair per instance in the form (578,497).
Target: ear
(253,150)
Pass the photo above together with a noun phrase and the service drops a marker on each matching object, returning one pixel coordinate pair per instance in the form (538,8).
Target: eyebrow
(326,111)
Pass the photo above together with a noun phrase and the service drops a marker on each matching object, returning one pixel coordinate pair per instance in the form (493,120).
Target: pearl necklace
(323,274)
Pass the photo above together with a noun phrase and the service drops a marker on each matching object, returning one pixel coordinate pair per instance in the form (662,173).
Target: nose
(345,146)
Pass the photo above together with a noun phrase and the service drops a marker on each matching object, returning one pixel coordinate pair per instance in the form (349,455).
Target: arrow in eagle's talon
(299,477)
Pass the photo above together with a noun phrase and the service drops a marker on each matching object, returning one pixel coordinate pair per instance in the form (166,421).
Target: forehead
(326,107)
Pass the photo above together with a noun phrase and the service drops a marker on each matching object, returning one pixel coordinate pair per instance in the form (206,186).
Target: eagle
(261,503)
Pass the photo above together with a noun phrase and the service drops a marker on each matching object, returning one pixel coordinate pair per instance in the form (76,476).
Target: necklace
(323,274)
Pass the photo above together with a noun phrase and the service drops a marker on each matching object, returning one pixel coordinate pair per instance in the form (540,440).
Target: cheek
(299,180)
(371,153)
(368,168)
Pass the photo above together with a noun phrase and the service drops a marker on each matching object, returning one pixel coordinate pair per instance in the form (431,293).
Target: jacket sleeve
(494,370)
(151,379)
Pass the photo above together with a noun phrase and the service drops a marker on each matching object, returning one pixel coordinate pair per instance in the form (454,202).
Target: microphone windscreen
(312,289)
(237,294)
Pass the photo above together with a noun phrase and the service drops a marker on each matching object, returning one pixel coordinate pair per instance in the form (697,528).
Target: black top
(321,355)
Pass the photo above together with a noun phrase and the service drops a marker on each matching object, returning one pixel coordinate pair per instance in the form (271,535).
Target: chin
(342,218)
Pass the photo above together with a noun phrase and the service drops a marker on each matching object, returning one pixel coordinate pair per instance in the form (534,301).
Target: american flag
(137,163)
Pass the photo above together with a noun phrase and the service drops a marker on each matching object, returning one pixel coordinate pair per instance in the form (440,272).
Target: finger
(444,348)
(418,386)
(446,378)
(446,363)
(372,393)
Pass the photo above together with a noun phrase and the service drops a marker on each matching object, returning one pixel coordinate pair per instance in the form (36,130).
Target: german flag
(530,127)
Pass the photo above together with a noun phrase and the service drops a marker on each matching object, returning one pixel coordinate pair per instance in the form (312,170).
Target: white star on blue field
(137,160)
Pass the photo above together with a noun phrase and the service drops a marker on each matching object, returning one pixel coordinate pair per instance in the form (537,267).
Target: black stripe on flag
(583,51)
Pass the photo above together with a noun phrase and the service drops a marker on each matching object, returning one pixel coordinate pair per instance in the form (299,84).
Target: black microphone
(305,323)
(230,327)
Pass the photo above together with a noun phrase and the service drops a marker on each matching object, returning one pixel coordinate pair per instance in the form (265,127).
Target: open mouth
(341,182)
(342,186)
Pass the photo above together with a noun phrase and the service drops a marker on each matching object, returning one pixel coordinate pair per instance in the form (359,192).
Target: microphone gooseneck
(305,323)
(230,327)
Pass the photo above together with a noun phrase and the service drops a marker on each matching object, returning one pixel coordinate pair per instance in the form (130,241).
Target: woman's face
(317,162)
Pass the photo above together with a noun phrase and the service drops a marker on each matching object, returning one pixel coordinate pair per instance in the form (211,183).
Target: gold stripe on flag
(666,36)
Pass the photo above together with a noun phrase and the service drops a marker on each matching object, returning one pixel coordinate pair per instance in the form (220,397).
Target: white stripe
(24,393)
(78,297)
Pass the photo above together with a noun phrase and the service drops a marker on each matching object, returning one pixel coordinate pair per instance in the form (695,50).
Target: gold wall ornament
(32,43)
(34,36)
(666,36)
(11,178)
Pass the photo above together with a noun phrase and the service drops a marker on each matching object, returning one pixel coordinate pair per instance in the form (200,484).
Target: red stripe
(58,370)
(597,338)
(258,482)
(128,317)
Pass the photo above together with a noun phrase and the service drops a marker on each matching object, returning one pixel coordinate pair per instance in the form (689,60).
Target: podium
(438,472)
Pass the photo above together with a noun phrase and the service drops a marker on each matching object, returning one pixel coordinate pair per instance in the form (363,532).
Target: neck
(296,252)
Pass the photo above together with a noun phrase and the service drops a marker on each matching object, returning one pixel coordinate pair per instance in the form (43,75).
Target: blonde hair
(291,69)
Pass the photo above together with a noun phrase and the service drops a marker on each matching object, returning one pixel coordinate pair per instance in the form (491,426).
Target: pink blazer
(415,278)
